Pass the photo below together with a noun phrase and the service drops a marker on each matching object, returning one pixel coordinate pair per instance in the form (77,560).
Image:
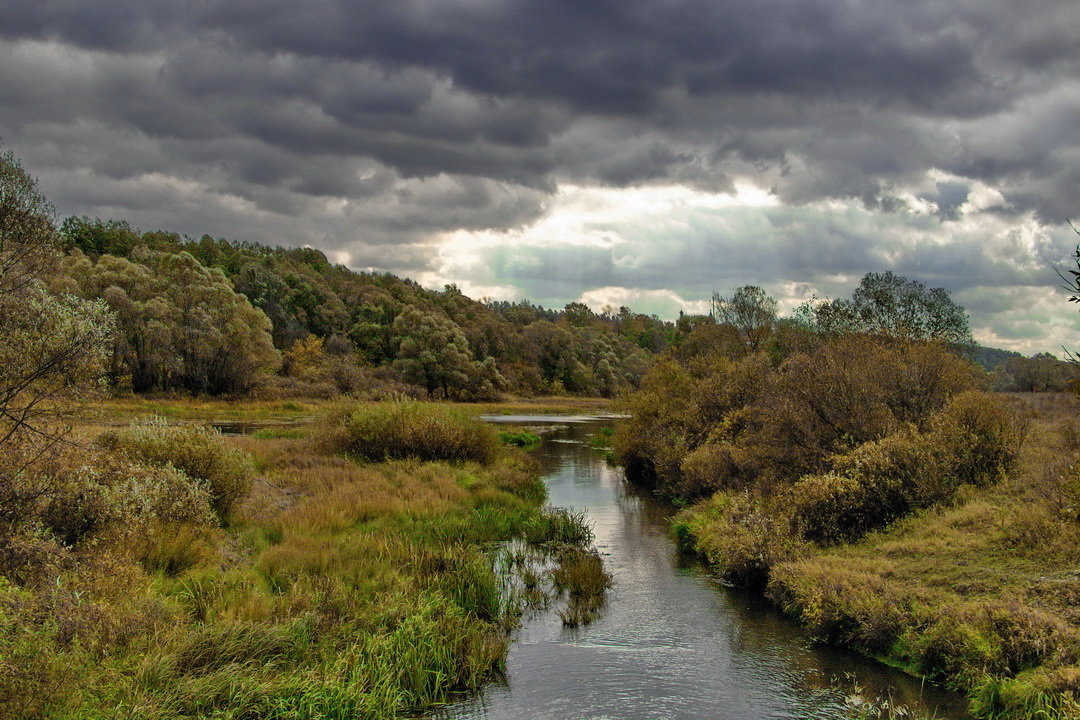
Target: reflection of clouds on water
(672,642)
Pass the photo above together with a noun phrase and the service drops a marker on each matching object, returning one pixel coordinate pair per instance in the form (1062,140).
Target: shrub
(741,536)
(198,451)
(711,467)
(981,435)
(122,495)
(833,508)
(425,431)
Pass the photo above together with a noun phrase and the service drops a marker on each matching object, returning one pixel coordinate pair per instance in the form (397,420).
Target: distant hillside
(990,357)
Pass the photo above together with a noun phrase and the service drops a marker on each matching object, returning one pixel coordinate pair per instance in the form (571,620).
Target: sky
(624,152)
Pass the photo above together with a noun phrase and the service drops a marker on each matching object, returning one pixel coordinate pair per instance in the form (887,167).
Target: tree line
(212,316)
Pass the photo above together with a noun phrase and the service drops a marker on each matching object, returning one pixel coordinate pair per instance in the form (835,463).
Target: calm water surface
(671,642)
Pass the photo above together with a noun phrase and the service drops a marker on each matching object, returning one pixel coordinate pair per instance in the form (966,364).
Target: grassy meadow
(348,572)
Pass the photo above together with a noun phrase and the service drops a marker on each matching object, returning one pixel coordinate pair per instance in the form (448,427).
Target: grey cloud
(372,126)
(827,99)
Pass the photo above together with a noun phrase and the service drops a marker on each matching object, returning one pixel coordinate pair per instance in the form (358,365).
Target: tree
(750,310)
(52,347)
(578,314)
(181,324)
(434,352)
(96,237)
(1072,284)
(892,306)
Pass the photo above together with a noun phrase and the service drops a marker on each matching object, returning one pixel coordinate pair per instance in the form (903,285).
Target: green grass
(340,589)
(522,439)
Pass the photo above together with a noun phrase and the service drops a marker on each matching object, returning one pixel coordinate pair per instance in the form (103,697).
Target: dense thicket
(810,431)
(213,316)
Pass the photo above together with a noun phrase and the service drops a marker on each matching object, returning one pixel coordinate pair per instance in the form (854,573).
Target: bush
(711,467)
(833,508)
(198,451)
(741,536)
(120,494)
(982,436)
(425,431)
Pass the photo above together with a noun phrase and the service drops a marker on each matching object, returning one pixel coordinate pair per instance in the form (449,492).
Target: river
(671,643)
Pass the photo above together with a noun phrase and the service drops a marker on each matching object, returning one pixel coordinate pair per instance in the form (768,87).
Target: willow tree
(52,346)
(181,324)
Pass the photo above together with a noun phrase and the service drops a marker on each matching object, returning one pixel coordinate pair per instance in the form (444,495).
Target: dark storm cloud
(835,99)
(370,128)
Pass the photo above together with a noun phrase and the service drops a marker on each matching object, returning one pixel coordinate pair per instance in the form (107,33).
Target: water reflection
(671,643)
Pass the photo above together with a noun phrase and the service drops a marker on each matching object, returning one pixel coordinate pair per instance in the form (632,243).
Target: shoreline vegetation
(873,489)
(351,572)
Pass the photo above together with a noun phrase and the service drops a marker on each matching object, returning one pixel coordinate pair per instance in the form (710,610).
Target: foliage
(705,422)
(412,430)
(894,306)
(378,331)
(1039,373)
(750,311)
(52,345)
(434,352)
(181,324)
(739,535)
(197,451)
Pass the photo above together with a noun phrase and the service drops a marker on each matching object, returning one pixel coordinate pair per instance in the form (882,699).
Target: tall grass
(338,589)
(580,574)
(425,431)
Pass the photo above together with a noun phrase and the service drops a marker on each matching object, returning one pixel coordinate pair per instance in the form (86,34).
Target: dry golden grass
(981,594)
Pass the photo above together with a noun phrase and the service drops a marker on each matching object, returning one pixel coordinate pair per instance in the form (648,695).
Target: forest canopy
(219,317)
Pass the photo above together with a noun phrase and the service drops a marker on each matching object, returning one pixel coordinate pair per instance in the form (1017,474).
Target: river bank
(339,577)
(980,594)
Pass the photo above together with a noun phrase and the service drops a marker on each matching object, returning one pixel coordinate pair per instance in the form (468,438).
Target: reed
(580,574)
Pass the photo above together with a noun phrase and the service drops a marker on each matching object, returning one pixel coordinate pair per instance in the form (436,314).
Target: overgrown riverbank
(980,593)
(349,574)
(873,491)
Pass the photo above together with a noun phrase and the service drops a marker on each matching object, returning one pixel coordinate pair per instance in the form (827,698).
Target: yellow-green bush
(383,431)
(834,508)
(196,450)
(981,435)
(974,439)
(708,468)
(740,535)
